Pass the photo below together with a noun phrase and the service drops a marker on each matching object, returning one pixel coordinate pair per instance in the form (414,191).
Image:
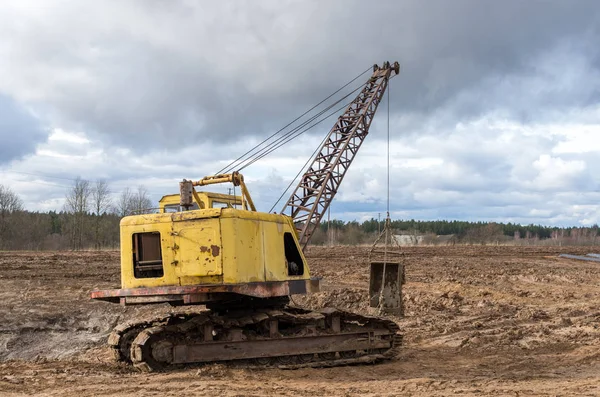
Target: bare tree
(124,202)
(77,202)
(10,203)
(101,203)
(100,197)
(140,201)
(137,202)
(78,197)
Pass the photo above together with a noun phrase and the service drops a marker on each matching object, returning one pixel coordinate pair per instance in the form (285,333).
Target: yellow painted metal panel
(242,249)
(212,246)
(148,219)
(197,247)
(275,264)
(259,216)
(195,280)
(144,224)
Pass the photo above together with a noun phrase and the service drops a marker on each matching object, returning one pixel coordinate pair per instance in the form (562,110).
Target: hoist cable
(293,133)
(388,232)
(388,150)
(232,164)
(310,158)
(298,174)
(296,132)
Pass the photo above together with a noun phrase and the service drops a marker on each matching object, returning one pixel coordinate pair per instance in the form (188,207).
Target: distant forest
(90,220)
(455,232)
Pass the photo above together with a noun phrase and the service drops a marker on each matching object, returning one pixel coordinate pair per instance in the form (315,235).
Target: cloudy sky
(494,116)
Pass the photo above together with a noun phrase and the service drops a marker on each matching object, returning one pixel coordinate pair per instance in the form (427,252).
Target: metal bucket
(385,287)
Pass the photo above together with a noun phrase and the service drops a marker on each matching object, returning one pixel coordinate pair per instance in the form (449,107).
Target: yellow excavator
(217,250)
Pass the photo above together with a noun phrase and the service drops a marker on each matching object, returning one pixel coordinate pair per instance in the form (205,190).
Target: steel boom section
(317,187)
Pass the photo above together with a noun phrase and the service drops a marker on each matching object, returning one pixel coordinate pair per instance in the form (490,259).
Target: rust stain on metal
(203,248)
(215,250)
(257,289)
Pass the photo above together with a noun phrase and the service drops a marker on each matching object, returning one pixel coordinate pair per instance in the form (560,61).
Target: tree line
(90,219)
(452,232)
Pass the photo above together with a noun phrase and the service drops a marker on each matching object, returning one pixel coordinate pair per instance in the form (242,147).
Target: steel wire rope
(388,236)
(311,156)
(232,164)
(388,150)
(294,133)
(298,174)
(321,144)
(301,132)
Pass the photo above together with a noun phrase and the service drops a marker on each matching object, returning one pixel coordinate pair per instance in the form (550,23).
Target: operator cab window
(147,255)
(220,204)
(177,208)
(293,259)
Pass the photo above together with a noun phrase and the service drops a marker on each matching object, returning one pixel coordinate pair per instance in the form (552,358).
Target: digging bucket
(385,287)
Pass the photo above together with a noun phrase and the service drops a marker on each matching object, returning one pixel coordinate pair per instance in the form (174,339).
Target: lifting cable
(295,134)
(257,150)
(388,150)
(312,156)
(298,174)
(388,236)
(321,144)
(290,135)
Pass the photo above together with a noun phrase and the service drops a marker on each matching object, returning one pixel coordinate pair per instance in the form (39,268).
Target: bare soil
(479,321)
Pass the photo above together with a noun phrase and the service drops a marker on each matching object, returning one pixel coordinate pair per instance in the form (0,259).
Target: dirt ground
(514,321)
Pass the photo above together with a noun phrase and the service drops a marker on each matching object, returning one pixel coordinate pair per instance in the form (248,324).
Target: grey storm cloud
(19,131)
(151,75)
(494,115)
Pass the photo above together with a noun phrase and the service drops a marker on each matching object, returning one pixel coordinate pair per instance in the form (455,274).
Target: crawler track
(123,335)
(284,337)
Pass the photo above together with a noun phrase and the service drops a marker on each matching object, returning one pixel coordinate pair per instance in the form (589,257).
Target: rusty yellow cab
(205,247)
